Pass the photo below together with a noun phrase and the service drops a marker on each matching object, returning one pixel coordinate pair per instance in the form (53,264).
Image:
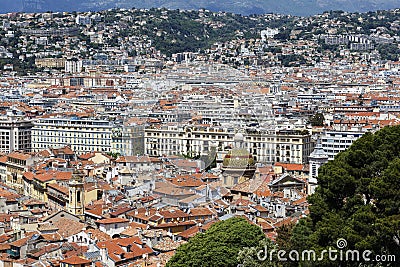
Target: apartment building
(50,63)
(15,134)
(13,168)
(334,142)
(267,146)
(82,135)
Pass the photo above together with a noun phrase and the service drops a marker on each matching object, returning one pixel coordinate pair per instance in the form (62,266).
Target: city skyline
(163,137)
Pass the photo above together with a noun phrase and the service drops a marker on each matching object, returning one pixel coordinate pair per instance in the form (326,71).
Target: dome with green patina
(238,158)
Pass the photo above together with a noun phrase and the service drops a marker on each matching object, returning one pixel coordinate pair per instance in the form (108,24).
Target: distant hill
(244,7)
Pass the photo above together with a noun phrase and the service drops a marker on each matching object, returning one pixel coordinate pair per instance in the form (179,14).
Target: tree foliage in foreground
(317,120)
(219,245)
(358,199)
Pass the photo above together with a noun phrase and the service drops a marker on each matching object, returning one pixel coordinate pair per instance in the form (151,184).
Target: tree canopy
(317,120)
(358,199)
(219,245)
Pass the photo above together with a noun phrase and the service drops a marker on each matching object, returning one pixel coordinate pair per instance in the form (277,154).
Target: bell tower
(316,159)
(76,201)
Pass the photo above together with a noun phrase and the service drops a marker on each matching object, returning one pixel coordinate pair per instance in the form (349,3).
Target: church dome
(238,137)
(238,158)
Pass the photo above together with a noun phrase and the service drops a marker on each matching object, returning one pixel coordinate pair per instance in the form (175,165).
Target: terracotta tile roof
(300,201)
(4,238)
(285,221)
(33,202)
(209,176)
(260,208)
(151,233)
(28,175)
(265,170)
(63,176)
(130,231)
(167,244)
(46,249)
(170,189)
(98,211)
(112,220)
(18,155)
(37,211)
(175,224)
(142,213)
(149,198)
(201,212)
(207,225)
(59,188)
(90,155)
(133,159)
(76,260)
(155,218)
(4,247)
(290,166)
(121,210)
(266,226)
(73,249)
(87,156)
(10,196)
(117,253)
(67,227)
(138,225)
(44,153)
(44,177)
(124,242)
(253,185)
(186,181)
(243,202)
(20,242)
(98,235)
(173,213)
(63,151)
(3,159)
(192,231)
(52,237)
(26,261)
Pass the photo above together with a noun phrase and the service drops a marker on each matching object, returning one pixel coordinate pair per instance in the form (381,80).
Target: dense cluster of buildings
(119,162)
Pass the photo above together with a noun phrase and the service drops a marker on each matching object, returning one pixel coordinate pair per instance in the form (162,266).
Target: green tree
(358,199)
(259,256)
(317,120)
(219,245)
(284,233)
(114,155)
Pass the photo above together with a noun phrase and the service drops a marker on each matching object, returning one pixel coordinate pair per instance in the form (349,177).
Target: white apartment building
(334,142)
(266,146)
(15,134)
(243,110)
(268,34)
(82,135)
(73,66)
